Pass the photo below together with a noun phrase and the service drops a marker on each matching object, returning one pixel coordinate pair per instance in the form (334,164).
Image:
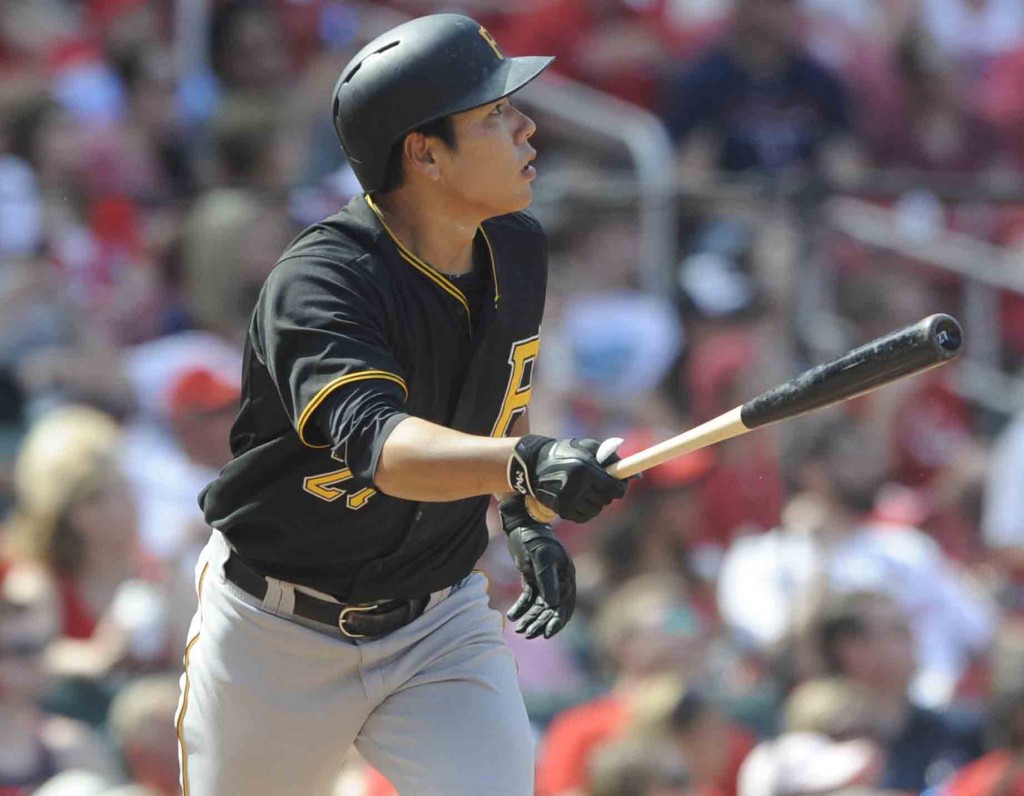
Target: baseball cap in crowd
(802,763)
(200,390)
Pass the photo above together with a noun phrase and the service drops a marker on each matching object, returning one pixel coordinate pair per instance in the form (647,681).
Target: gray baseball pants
(271,705)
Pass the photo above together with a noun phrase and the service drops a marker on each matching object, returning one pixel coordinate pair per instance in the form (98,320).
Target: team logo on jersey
(520,384)
(487,37)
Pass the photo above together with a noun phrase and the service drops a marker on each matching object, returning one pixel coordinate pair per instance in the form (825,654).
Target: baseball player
(386,381)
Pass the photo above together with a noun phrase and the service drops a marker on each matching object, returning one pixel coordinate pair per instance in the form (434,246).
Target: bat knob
(946,333)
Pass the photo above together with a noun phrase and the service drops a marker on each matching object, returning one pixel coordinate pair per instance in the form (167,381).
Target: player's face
(489,172)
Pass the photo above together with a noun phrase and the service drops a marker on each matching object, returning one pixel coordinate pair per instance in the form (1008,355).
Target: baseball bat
(914,349)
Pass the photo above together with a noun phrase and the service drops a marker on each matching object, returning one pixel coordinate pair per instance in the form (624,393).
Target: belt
(354,620)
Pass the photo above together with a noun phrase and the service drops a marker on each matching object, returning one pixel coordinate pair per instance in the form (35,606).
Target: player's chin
(523,197)
(518,198)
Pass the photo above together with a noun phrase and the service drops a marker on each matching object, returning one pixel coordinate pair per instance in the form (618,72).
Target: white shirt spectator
(1002,521)
(969,31)
(167,485)
(166,482)
(767,580)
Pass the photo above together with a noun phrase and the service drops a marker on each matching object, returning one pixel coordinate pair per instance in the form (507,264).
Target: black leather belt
(354,620)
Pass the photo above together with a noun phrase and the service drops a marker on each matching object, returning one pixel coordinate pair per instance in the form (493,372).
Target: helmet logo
(487,37)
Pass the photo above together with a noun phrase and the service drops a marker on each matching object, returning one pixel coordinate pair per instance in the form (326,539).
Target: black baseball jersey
(353,333)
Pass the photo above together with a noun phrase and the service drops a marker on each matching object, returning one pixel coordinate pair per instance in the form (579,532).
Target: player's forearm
(424,461)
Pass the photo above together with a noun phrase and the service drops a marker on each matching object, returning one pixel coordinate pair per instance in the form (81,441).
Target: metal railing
(644,138)
(986,269)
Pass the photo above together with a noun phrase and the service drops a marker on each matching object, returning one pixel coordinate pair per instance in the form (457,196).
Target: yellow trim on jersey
(425,268)
(188,685)
(494,264)
(335,384)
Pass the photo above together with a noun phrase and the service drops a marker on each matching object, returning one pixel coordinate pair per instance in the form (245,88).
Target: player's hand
(547,571)
(565,475)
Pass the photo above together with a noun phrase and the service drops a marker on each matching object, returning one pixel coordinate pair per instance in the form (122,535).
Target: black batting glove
(547,572)
(564,475)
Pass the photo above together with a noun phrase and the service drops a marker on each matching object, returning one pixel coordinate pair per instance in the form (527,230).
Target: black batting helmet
(416,73)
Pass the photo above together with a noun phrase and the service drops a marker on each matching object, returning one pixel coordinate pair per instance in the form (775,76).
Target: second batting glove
(547,572)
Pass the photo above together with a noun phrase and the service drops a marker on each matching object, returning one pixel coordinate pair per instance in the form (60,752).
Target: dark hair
(224,27)
(242,137)
(830,444)
(843,618)
(1006,721)
(442,128)
(692,706)
(25,123)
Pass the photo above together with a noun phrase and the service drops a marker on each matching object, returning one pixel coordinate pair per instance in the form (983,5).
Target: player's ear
(419,152)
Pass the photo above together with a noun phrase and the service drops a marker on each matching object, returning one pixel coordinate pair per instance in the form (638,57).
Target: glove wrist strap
(522,460)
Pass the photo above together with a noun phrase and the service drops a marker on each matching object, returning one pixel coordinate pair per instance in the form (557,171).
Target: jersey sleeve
(320,327)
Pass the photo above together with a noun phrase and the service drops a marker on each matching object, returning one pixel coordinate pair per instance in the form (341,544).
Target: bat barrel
(906,352)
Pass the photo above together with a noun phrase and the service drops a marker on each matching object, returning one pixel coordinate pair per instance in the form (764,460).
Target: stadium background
(752,614)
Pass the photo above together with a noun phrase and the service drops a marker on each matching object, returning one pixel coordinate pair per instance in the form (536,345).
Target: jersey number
(325,487)
(520,384)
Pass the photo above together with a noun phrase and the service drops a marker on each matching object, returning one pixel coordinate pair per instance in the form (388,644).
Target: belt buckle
(353,609)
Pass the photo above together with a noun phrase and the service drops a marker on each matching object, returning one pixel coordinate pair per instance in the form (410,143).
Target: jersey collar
(426,268)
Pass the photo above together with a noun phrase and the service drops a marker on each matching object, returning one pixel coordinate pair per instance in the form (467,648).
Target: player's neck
(433,230)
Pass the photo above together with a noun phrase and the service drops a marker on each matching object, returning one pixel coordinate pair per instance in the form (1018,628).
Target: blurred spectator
(865,639)
(44,136)
(248,48)
(21,218)
(167,471)
(153,128)
(931,124)
(617,46)
(769,584)
(233,232)
(1002,99)
(250,146)
(797,764)
(663,531)
(645,630)
(228,239)
(75,783)
(145,737)
(1002,524)
(1001,771)
(82,538)
(36,746)
(972,32)
(837,707)
(712,745)
(639,768)
(769,105)
(186,386)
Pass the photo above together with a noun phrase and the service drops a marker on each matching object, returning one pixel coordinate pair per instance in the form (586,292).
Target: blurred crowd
(831,605)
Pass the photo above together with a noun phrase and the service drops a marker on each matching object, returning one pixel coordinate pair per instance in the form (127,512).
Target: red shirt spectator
(618,47)
(999,772)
